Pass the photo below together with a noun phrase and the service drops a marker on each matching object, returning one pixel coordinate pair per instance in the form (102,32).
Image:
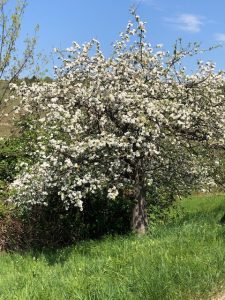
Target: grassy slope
(181,260)
(6,123)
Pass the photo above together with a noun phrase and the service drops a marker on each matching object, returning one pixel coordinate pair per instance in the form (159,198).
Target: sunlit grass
(184,259)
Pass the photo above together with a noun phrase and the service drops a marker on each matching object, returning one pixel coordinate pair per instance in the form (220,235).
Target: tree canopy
(130,121)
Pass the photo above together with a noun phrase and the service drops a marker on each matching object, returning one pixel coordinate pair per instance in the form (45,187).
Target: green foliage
(160,203)
(184,259)
(4,210)
(11,153)
(53,226)
(8,161)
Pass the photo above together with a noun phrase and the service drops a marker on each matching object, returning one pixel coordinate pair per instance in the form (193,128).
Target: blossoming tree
(120,123)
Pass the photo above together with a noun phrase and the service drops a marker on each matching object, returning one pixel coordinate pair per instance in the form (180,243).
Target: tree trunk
(139,217)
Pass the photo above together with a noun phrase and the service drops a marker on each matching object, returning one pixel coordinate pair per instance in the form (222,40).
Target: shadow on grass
(51,256)
(82,249)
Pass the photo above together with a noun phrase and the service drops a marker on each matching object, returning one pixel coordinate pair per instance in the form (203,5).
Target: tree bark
(139,216)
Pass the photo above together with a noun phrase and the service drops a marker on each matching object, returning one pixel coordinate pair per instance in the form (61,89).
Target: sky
(62,22)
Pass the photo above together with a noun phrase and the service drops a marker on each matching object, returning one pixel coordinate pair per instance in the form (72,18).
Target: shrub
(12,153)
(54,226)
(12,234)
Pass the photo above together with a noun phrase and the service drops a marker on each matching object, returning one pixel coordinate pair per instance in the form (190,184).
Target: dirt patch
(5,129)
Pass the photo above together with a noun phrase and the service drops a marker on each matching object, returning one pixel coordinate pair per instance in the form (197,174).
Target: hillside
(6,122)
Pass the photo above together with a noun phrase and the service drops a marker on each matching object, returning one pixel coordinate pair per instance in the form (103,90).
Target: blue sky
(62,22)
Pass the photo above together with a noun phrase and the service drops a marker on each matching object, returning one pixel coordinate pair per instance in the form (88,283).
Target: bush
(12,231)
(14,150)
(54,226)
(11,153)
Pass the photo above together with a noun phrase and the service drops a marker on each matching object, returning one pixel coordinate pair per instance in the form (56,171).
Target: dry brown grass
(6,122)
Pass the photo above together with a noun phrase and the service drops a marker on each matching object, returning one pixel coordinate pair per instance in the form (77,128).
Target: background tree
(12,62)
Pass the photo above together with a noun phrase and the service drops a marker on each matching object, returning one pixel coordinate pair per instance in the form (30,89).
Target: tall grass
(183,259)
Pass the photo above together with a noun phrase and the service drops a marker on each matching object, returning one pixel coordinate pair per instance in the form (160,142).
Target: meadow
(183,258)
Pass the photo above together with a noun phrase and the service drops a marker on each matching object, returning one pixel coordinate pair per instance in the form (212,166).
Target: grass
(184,259)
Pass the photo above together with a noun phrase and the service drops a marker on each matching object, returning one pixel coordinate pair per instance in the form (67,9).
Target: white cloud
(220,37)
(187,22)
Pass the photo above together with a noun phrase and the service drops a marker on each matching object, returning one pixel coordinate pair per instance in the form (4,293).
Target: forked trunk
(139,217)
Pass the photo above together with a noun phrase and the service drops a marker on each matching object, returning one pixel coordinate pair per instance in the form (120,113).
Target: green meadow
(183,258)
